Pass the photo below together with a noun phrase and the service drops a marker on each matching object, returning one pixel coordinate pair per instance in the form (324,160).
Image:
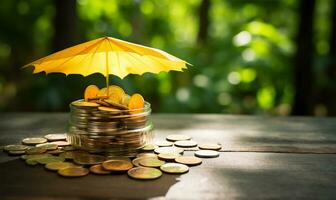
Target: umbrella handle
(107,74)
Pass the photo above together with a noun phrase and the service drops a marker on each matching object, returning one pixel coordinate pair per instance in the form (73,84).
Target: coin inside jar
(73,172)
(174,168)
(206,154)
(98,169)
(185,143)
(34,141)
(117,165)
(209,146)
(177,137)
(151,162)
(188,160)
(144,173)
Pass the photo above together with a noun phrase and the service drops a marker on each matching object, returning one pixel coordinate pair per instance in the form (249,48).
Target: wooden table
(262,158)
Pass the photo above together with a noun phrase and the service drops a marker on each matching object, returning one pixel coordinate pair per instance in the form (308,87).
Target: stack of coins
(116,124)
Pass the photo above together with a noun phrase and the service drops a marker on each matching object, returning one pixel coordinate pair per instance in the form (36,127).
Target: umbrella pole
(107,74)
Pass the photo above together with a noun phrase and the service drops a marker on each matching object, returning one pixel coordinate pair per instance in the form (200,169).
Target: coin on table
(69,148)
(54,166)
(144,173)
(188,160)
(117,165)
(55,137)
(16,153)
(35,156)
(210,146)
(31,162)
(73,172)
(98,169)
(60,143)
(164,143)
(206,153)
(48,146)
(50,159)
(168,156)
(178,137)
(118,158)
(15,147)
(149,147)
(168,150)
(55,152)
(34,141)
(174,168)
(185,143)
(136,102)
(146,155)
(151,162)
(136,161)
(90,92)
(89,159)
(36,150)
(85,104)
(73,154)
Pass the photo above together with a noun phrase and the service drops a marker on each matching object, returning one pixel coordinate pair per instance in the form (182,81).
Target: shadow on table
(21,181)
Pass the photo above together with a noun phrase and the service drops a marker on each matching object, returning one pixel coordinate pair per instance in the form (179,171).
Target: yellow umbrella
(107,56)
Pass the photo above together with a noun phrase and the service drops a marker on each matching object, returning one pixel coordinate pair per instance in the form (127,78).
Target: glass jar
(112,131)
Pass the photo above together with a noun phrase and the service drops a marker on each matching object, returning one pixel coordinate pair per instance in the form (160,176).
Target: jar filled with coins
(110,121)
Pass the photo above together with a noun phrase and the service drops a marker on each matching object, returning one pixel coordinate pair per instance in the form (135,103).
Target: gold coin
(48,146)
(34,141)
(54,166)
(144,173)
(98,169)
(73,154)
(125,99)
(31,162)
(16,153)
(68,148)
(36,150)
(185,143)
(164,143)
(136,102)
(209,146)
(15,147)
(174,168)
(102,108)
(55,152)
(89,159)
(114,92)
(168,156)
(60,143)
(50,159)
(151,162)
(85,104)
(149,147)
(90,92)
(140,155)
(112,103)
(55,137)
(117,165)
(188,160)
(206,153)
(118,158)
(136,161)
(73,172)
(35,156)
(168,150)
(177,137)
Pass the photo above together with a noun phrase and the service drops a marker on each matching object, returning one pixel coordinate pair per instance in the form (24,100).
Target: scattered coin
(54,166)
(168,156)
(168,150)
(89,159)
(164,143)
(210,146)
(117,165)
(188,160)
(16,153)
(55,152)
(98,169)
(15,147)
(174,168)
(185,143)
(48,146)
(34,141)
(149,147)
(36,150)
(177,137)
(60,143)
(151,162)
(35,156)
(136,161)
(55,137)
(144,173)
(146,155)
(206,154)
(31,162)
(118,158)
(50,159)
(73,172)
(73,154)
(68,148)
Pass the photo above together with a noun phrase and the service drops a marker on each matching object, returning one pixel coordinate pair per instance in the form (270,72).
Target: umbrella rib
(75,56)
(98,46)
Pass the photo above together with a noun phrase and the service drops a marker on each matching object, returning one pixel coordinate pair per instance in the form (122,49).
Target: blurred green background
(249,56)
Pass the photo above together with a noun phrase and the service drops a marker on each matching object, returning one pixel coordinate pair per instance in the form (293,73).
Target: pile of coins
(109,120)
(56,154)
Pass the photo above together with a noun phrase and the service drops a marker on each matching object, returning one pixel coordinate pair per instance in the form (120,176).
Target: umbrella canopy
(107,56)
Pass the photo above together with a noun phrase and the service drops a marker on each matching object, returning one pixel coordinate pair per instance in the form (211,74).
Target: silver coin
(206,153)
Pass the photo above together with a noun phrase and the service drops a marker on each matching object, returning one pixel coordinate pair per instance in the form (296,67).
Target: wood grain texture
(247,175)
